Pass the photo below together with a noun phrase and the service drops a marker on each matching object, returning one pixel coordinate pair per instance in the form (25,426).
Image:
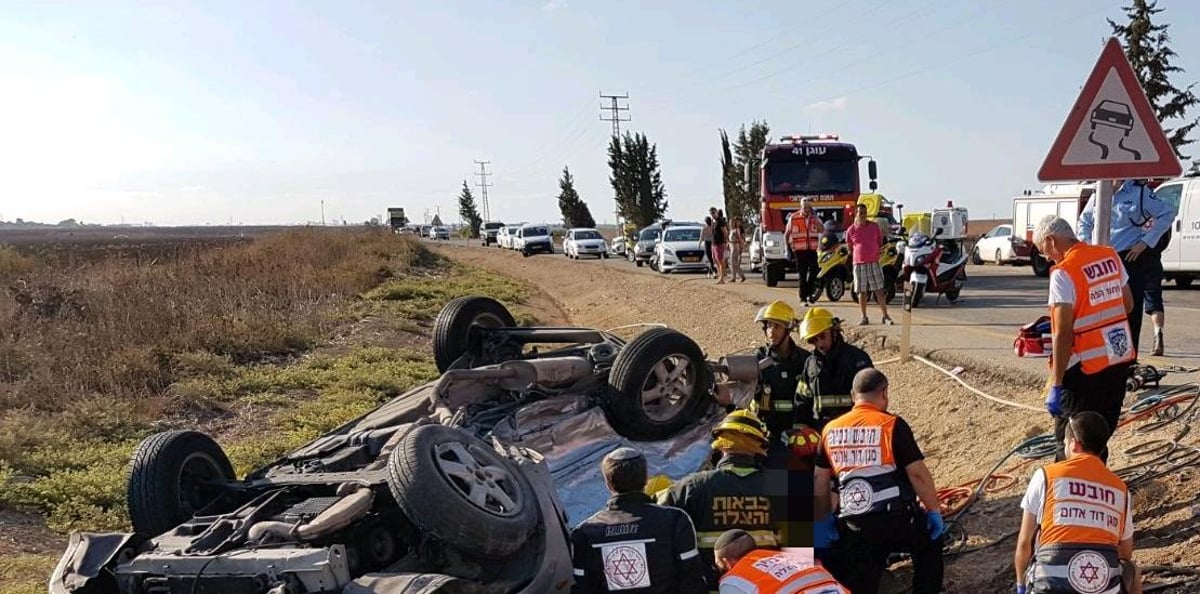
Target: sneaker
(887,321)
(864,321)
(1158,344)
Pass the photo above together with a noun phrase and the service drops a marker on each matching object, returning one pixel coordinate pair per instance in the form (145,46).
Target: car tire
(438,474)
(453,325)
(638,263)
(1183,282)
(999,260)
(976,259)
(1041,266)
(165,485)
(639,367)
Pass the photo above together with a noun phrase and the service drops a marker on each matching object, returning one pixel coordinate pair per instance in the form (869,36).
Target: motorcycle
(890,262)
(933,266)
(833,267)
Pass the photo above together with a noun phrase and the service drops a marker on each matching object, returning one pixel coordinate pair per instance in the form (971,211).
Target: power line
(616,110)
(483,186)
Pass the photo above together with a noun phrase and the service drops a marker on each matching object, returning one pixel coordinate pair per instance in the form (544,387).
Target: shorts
(868,277)
(718,253)
(1153,271)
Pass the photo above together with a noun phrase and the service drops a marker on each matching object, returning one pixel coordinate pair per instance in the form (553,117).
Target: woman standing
(720,239)
(737,241)
(706,236)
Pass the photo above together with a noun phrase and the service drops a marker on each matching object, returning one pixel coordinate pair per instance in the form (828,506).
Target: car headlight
(769,243)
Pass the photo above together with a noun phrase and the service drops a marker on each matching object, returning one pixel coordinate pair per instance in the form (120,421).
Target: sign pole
(1102,213)
(906,324)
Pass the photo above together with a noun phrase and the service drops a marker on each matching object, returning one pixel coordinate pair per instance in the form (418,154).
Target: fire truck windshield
(813,177)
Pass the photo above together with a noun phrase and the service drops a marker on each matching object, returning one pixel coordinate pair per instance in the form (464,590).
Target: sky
(221,112)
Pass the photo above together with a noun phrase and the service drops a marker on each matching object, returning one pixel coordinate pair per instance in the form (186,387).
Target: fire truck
(819,167)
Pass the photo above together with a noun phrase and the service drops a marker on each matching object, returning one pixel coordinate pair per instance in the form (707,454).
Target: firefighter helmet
(816,321)
(745,422)
(777,311)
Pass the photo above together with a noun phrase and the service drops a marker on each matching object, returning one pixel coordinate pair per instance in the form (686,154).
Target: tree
(575,211)
(743,199)
(469,211)
(1146,47)
(636,179)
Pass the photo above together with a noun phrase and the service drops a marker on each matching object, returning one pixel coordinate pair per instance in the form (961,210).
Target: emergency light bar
(806,137)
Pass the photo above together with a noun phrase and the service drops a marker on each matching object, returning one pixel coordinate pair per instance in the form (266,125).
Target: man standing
(1090,299)
(865,239)
(803,235)
(776,404)
(748,569)
(656,545)
(882,475)
(823,392)
(1080,513)
(1134,206)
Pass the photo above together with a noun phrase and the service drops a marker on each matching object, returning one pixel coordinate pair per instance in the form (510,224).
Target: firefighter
(882,476)
(803,233)
(658,543)
(748,569)
(1072,554)
(776,404)
(735,494)
(823,392)
(1090,301)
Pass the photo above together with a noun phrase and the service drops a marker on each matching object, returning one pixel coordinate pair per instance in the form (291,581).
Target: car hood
(683,245)
(536,238)
(590,242)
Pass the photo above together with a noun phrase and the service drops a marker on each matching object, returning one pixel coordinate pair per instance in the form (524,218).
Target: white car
(505,236)
(679,249)
(996,246)
(531,239)
(756,253)
(584,242)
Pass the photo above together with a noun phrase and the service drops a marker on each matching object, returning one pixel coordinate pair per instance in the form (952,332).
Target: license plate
(918,277)
(691,258)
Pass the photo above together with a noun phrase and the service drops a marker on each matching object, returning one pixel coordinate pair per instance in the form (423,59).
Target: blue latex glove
(1020,589)
(824,532)
(937,526)
(1054,401)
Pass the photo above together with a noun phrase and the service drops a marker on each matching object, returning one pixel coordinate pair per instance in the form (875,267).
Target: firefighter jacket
(1085,512)
(1101,327)
(804,232)
(635,546)
(775,572)
(777,400)
(859,447)
(823,392)
(735,494)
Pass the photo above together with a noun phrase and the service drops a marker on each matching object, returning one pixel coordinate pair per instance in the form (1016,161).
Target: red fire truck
(819,167)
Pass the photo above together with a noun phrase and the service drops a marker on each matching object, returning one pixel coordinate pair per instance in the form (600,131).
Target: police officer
(1091,296)
(882,476)
(750,570)
(1139,220)
(776,404)
(738,493)
(1072,555)
(823,392)
(656,545)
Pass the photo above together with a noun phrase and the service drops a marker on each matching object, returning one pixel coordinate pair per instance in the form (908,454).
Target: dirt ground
(962,435)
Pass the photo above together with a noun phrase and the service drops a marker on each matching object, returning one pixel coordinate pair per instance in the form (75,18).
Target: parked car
(996,246)
(489,232)
(1181,257)
(440,233)
(532,239)
(643,250)
(440,489)
(755,250)
(425,230)
(505,235)
(679,250)
(584,242)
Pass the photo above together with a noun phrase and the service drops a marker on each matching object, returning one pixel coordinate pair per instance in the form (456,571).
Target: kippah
(625,453)
(730,536)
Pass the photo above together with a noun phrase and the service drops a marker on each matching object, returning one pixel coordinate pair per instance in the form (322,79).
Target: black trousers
(1103,392)
(864,545)
(1137,270)
(806,270)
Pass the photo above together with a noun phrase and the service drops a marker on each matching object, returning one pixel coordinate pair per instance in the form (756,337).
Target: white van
(1181,259)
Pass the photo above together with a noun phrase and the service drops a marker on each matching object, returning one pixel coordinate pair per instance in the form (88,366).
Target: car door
(1003,242)
(1186,232)
(1173,194)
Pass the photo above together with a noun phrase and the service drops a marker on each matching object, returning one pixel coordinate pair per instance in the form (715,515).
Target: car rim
(200,478)
(488,320)
(489,487)
(668,387)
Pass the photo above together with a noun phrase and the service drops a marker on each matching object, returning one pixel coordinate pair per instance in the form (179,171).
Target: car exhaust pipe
(335,517)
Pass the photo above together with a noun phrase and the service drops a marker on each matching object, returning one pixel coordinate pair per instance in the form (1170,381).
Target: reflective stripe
(623,542)
(782,405)
(1083,323)
(578,572)
(737,585)
(689,555)
(764,538)
(867,471)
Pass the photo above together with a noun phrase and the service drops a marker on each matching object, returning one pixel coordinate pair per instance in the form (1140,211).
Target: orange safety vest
(1101,327)
(1083,518)
(775,572)
(804,232)
(859,446)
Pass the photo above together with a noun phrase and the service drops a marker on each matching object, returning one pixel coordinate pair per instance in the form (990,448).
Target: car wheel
(174,475)
(1183,282)
(638,263)
(658,386)
(458,489)
(999,258)
(1041,266)
(453,325)
(976,259)
(604,255)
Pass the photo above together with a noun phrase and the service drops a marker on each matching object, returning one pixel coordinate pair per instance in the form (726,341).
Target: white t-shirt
(1035,500)
(1062,289)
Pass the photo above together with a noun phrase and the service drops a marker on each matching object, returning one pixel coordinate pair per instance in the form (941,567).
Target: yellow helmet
(816,321)
(777,311)
(745,422)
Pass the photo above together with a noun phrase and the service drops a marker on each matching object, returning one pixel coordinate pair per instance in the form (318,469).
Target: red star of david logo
(1089,572)
(625,566)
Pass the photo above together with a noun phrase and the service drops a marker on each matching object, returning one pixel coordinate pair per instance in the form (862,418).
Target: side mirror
(746,175)
(872,171)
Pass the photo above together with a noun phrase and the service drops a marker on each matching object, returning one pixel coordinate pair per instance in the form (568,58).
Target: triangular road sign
(1111,132)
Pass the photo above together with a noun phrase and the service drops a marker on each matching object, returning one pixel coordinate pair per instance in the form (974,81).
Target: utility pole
(483,186)
(615,108)
(322,213)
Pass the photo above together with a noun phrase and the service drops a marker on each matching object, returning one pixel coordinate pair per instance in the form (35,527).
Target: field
(263,341)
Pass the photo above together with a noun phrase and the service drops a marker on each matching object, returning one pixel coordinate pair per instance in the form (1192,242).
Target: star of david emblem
(857,496)
(625,566)
(1089,572)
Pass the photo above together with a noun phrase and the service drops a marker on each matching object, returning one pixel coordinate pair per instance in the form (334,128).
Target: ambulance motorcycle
(933,266)
(833,267)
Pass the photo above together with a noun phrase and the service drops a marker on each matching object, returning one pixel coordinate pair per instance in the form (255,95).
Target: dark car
(1113,114)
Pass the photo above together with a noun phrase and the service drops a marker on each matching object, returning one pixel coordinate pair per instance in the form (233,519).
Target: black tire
(918,293)
(975,257)
(1183,282)
(453,323)
(633,373)
(952,295)
(835,288)
(174,474)
(441,504)
(638,263)
(604,255)
(1041,266)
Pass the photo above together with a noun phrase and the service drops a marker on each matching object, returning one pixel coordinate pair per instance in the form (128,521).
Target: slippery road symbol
(1113,115)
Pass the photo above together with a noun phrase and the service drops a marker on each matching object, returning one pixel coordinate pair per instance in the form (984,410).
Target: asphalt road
(980,327)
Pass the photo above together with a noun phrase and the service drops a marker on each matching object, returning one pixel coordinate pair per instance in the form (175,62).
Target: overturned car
(446,488)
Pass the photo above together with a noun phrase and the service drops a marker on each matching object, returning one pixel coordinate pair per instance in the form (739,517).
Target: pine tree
(468,210)
(1146,46)
(575,211)
(636,179)
(747,150)
(731,180)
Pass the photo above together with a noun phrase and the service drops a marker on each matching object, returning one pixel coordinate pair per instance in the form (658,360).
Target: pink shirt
(865,240)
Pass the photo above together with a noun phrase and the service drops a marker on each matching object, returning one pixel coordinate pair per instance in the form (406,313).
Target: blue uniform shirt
(1137,215)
